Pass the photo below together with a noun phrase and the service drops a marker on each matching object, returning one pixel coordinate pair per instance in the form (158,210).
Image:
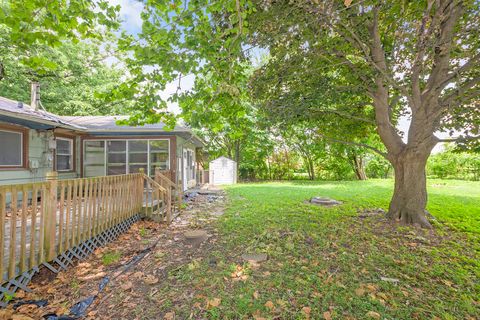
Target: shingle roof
(23,111)
(109,123)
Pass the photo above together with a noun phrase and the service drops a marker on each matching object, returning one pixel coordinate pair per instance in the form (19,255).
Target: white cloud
(130,11)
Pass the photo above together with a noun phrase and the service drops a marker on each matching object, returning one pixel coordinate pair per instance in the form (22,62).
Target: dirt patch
(135,293)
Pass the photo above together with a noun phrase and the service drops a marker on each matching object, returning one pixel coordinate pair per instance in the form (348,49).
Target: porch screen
(137,155)
(159,155)
(116,157)
(112,157)
(94,159)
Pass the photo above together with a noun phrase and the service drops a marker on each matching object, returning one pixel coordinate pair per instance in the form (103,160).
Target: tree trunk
(359,168)
(312,170)
(410,193)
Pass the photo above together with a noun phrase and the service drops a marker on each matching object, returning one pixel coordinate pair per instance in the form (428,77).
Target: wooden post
(169,204)
(51,214)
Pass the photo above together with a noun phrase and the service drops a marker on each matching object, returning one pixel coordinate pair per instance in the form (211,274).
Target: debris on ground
(392,280)
(124,298)
(195,237)
(254,257)
(365,213)
(325,202)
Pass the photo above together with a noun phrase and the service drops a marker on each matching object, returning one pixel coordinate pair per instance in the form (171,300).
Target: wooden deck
(39,221)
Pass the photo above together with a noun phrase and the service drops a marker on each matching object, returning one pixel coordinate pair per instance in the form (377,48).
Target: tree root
(409,217)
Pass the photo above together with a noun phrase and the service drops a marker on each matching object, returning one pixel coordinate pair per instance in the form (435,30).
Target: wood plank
(23,231)
(75,212)
(41,235)
(51,224)
(3,201)
(68,223)
(95,208)
(33,229)
(13,233)
(61,217)
(86,208)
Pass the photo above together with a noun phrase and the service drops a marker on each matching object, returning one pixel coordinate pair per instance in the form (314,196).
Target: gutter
(37,119)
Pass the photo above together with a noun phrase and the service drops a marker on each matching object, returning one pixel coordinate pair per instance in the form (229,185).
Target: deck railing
(165,178)
(39,221)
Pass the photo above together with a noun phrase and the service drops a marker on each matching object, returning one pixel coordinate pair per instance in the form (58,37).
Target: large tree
(401,57)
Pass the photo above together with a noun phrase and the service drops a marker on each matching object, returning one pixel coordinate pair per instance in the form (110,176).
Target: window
(12,149)
(137,156)
(94,159)
(64,154)
(159,155)
(112,157)
(116,157)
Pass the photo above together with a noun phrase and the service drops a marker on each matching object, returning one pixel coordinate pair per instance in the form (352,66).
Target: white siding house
(223,171)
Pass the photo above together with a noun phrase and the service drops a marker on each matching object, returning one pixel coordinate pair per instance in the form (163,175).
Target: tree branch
(443,48)
(449,99)
(458,72)
(459,139)
(383,154)
(385,128)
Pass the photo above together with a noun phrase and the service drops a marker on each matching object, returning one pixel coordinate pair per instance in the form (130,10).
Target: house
(34,142)
(223,171)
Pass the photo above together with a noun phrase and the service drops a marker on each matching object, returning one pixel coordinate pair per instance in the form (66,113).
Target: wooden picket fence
(39,221)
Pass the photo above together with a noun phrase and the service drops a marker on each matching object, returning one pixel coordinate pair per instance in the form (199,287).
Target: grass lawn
(328,263)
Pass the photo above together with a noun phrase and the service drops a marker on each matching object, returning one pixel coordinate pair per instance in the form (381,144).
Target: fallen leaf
(93,276)
(327,315)
(373,315)
(307,310)
(215,302)
(360,292)
(21,317)
(269,304)
(150,279)
(169,316)
(256,295)
(126,285)
(347,3)
(257,315)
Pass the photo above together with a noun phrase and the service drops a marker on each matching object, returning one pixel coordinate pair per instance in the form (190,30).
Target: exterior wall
(39,156)
(183,145)
(223,171)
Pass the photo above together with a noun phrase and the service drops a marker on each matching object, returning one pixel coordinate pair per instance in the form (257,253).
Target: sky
(130,13)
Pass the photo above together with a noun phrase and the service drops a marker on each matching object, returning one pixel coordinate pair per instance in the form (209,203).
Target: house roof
(107,125)
(23,114)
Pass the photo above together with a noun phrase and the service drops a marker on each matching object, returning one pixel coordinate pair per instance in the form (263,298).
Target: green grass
(110,257)
(329,261)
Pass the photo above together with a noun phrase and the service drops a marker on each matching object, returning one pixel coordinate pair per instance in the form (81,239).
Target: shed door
(223,174)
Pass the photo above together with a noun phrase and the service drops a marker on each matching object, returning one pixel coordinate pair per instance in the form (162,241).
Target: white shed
(223,171)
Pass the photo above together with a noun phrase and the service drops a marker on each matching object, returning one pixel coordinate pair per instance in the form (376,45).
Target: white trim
(70,140)
(21,150)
